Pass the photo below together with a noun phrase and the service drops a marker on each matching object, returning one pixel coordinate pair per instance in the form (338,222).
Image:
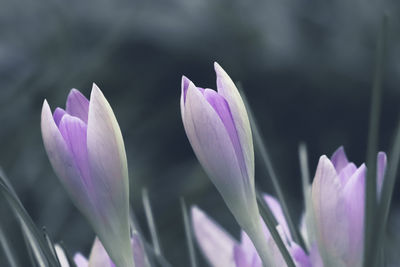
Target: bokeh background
(305,66)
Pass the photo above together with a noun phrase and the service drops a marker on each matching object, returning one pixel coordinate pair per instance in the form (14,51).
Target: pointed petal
(240,257)
(220,105)
(98,255)
(339,159)
(381,168)
(62,258)
(215,243)
(299,256)
(74,131)
(276,210)
(228,90)
(57,115)
(184,86)
(354,195)
(213,147)
(77,105)
(329,213)
(80,260)
(347,172)
(62,160)
(108,167)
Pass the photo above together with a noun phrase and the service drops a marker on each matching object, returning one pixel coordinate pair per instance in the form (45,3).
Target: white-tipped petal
(98,255)
(80,260)
(216,244)
(228,90)
(329,211)
(108,164)
(62,160)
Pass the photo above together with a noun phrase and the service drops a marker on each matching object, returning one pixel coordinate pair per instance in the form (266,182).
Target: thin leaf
(38,244)
(67,253)
(135,228)
(387,192)
(305,172)
(150,222)
(370,251)
(262,150)
(8,251)
(189,234)
(50,245)
(271,223)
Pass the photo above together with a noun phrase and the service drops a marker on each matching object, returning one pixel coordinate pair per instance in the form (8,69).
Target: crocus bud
(85,148)
(218,128)
(338,203)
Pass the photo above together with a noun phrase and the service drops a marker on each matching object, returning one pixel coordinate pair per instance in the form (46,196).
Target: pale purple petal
(184,86)
(57,115)
(347,172)
(276,210)
(228,90)
(80,260)
(299,256)
(98,255)
(329,212)
(74,131)
(339,159)
(107,162)
(77,105)
(240,257)
(315,257)
(354,194)
(221,107)
(381,168)
(215,243)
(213,147)
(62,160)
(247,247)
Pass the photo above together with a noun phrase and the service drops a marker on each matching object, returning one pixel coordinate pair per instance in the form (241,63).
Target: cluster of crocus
(86,149)
(218,129)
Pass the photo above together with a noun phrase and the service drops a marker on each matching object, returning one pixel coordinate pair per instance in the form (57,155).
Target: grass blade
(150,222)
(67,254)
(12,259)
(261,148)
(189,234)
(305,171)
(271,223)
(35,240)
(387,192)
(370,251)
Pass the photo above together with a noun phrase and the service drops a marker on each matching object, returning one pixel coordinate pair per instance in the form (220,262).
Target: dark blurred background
(305,66)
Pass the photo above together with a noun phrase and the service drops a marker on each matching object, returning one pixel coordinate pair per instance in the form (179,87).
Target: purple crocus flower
(222,250)
(86,149)
(218,128)
(338,203)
